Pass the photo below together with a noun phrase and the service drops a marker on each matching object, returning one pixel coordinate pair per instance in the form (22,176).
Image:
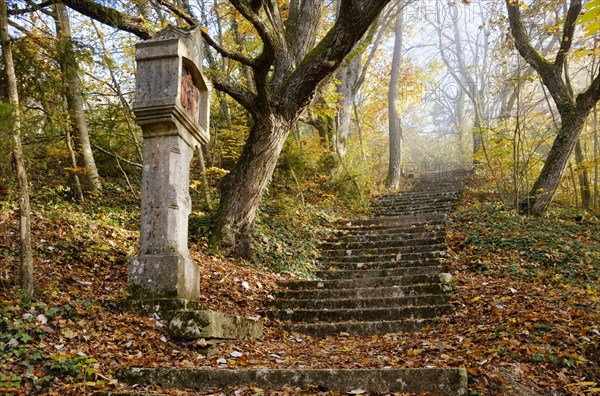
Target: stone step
(438,381)
(412,205)
(381,272)
(361,329)
(411,212)
(367,292)
(391,209)
(403,221)
(387,231)
(409,249)
(391,229)
(334,284)
(345,266)
(371,243)
(354,303)
(417,194)
(416,199)
(406,202)
(393,258)
(360,314)
(414,233)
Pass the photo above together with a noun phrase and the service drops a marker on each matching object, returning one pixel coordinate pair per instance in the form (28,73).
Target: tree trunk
(242,189)
(595,121)
(72,87)
(205,187)
(584,177)
(574,184)
(73,155)
(347,77)
(395,163)
(545,186)
(26,260)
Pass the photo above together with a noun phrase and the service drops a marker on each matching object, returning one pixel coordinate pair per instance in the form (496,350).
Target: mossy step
(435,208)
(366,292)
(379,273)
(383,243)
(360,314)
(417,194)
(346,266)
(354,303)
(389,231)
(405,221)
(409,203)
(438,381)
(415,234)
(349,252)
(399,257)
(361,329)
(386,281)
(408,212)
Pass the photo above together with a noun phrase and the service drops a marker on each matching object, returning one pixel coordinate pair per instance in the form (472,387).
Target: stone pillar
(172,100)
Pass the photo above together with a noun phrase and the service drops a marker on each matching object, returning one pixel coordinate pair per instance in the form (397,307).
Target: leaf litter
(535,331)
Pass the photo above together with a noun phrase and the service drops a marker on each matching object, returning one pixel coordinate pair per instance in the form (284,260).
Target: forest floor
(526,305)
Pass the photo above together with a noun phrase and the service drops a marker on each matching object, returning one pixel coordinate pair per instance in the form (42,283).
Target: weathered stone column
(172,100)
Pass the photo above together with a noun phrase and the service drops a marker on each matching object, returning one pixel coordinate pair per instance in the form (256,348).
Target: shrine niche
(190,94)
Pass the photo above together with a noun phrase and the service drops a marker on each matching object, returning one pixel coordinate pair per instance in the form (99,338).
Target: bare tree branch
(190,20)
(111,17)
(568,31)
(242,95)
(117,157)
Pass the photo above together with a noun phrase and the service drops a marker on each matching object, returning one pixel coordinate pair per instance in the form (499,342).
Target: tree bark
(583,175)
(596,149)
(573,111)
(347,76)
(243,188)
(72,90)
(25,276)
(394,174)
(543,189)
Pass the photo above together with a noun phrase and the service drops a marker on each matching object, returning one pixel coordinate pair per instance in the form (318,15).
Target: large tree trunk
(545,186)
(394,174)
(26,260)
(243,188)
(72,88)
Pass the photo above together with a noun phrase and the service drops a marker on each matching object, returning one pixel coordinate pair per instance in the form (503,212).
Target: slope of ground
(526,309)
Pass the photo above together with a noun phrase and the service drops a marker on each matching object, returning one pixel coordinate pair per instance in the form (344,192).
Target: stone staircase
(381,275)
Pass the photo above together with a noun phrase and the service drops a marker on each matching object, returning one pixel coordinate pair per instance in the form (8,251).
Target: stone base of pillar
(163,276)
(165,309)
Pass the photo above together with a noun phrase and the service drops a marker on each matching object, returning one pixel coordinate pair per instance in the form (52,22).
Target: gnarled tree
(573,109)
(286,74)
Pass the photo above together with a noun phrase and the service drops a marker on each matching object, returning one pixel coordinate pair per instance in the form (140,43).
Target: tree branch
(250,12)
(568,31)
(533,57)
(590,96)
(190,20)
(354,20)
(118,157)
(181,13)
(242,95)
(111,17)
(551,76)
(33,7)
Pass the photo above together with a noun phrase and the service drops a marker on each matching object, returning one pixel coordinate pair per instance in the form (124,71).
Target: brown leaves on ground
(513,335)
